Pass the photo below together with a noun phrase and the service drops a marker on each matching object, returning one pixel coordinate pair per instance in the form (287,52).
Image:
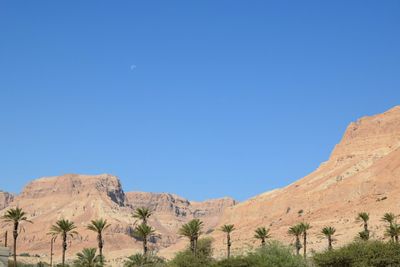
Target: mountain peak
(370,136)
(361,175)
(76,184)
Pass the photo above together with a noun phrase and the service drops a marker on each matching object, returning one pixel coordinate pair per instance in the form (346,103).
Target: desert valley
(361,175)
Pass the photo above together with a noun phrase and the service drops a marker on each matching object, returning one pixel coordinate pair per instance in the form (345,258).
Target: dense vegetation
(272,254)
(362,253)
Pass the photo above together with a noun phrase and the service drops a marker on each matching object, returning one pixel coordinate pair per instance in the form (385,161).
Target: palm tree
(262,233)
(304,228)
(228,229)
(363,217)
(136,260)
(329,231)
(142,214)
(391,219)
(143,231)
(64,228)
(88,258)
(15,216)
(393,231)
(140,260)
(192,230)
(296,231)
(363,235)
(99,226)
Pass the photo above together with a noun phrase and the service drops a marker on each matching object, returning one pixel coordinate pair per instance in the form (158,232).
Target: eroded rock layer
(362,174)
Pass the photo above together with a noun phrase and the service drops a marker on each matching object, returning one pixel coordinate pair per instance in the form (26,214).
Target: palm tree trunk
(51,252)
(15,236)
(192,245)
(263,242)
(366,230)
(396,238)
(100,242)
(305,244)
(64,248)
(229,245)
(145,246)
(329,242)
(5,238)
(297,245)
(195,246)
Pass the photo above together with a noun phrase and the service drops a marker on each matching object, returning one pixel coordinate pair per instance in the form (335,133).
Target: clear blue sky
(199,98)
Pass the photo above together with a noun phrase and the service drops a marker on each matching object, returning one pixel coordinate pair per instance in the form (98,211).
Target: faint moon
(133,67)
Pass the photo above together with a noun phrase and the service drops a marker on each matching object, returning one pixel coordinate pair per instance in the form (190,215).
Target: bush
(234,262)
(203,257)
(277,255)
(25,254)
(361,254)
(20,264)
(273,254)
(140,260)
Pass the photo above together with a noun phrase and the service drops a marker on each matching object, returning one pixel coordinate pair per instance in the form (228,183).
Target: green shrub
(203,257)
(140,260)
(276,255)
(234,262)
(24,254)
(273,254)
(361,254)
(20,264)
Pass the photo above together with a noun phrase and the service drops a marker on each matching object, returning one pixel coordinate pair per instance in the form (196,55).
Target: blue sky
(199,98)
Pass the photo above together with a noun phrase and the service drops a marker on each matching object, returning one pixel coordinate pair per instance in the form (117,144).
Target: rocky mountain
(81,198)
(362,174)
(5,199)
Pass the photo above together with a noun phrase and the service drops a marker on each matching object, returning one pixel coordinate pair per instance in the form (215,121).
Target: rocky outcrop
(5,199)
(164,203)
(161,203)
(171,211)
(82,198)
(74,185)
(362,174)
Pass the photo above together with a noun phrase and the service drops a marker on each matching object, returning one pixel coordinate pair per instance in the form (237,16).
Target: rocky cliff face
(5,199)
(164,203)
(362,174)
(171,211)
(74,185)
(82,198)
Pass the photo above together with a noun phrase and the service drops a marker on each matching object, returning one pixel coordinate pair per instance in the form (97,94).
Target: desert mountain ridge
(361,174)
(81,198)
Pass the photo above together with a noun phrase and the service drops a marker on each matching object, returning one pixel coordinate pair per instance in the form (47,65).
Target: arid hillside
(81,198)
(362,174)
